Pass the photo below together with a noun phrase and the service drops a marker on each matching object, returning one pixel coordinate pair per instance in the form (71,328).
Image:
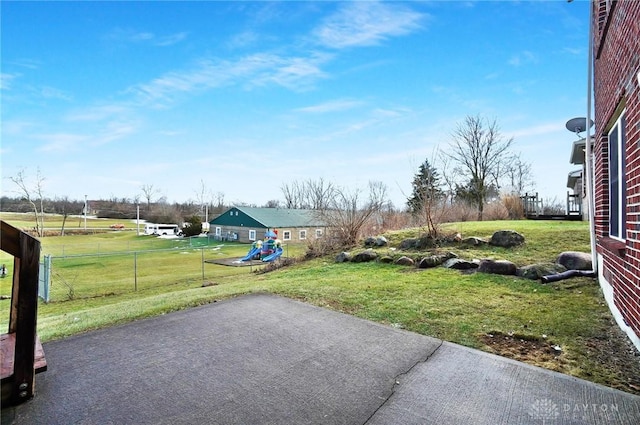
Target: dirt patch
(525,348)
(615,359)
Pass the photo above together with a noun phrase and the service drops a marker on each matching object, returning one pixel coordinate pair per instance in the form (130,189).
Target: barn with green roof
(248,224)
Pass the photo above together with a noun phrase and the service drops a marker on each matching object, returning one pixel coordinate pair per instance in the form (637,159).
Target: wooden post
(24,309)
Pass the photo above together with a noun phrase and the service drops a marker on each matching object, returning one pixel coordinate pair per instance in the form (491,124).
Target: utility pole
(85,212)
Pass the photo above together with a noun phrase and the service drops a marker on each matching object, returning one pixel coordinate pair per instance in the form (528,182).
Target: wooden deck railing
(21,352)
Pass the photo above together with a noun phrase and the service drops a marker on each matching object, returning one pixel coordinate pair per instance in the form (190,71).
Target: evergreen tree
(426,188)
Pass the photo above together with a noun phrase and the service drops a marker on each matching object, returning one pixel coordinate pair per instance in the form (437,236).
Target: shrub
(513,204)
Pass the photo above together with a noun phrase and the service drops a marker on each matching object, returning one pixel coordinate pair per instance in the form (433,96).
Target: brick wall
(617,63)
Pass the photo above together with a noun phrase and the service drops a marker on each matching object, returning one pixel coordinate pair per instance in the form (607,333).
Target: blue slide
(252,252)
(273,256)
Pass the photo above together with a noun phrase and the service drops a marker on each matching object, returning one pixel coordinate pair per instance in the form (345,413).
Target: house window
(303,234)
(286,235)
(218,231)
(318,233)
(617,186)
(252,235)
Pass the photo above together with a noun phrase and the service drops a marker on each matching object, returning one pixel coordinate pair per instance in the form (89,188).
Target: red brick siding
(617,63)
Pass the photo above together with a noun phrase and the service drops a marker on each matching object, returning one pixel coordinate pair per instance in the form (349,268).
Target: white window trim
(218,231)
(252,232)
(621,230)
(284,235)
(319,233)
(301,233)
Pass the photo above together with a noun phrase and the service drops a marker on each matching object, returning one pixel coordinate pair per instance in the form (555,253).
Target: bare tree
(479,150)
(293,195)
(64,207)
(348,211)
(318,193)
(519,174)
(272,203)
(148,192)
(33,194)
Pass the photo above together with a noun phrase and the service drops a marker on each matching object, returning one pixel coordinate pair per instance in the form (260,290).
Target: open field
(564,326)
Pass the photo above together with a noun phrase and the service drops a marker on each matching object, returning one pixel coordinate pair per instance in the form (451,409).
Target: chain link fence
(75,276)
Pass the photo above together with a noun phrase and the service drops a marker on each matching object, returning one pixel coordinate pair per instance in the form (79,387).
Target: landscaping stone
(536,271)
(370,241)
(503,267)
(573,260)
(506,238)
(381,241)
(435,260)
(459,264)
(365,256)
(421,243)
(386,259)
(343,257)
(408,244)
(473,241)
(405,261)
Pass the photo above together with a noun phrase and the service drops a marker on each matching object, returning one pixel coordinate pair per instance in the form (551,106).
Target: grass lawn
(564,326)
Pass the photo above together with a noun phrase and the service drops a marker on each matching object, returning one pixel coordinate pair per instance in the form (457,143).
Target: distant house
(616,53)
(245,224)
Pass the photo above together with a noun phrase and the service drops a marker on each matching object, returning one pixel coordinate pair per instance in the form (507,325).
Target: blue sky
(105,97)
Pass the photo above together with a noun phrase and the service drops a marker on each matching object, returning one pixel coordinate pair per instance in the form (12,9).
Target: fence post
(44,280)
(202,253)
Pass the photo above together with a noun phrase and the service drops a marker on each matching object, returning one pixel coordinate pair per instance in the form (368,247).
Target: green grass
(461,308)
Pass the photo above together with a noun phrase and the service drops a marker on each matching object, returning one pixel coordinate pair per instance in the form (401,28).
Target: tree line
(476,167)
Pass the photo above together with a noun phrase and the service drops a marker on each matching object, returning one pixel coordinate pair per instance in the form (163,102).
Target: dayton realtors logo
(544,410)
(547,411)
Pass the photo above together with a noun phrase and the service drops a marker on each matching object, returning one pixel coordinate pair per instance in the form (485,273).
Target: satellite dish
(578,125)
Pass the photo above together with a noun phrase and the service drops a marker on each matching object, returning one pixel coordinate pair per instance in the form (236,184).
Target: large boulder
(460,264)
(573,260)
(506,238)
(435,260)
(343,257)
(365,256)
(421,243)
(386,259)
(473,241)
(381,241)
(405,261)
(370,241)
(497,267)
(408,244)
(537,271)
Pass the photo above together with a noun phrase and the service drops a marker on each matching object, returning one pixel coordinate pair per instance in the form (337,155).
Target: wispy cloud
(367,24)
(57,142)
(113,131)
(538,130)
(574,51)
(331,106)
(169,40)
(6,80)
(295,73)
(54,93)
(98,113)
(25,63)
(133,36)
(523,58)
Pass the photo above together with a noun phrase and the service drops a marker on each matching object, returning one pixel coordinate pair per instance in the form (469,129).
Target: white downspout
(588,153)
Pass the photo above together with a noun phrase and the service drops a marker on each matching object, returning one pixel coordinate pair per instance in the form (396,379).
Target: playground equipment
(274,256)
(254,252)
(267,251)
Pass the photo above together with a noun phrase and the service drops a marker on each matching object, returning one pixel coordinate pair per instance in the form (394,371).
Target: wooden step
(7,350)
